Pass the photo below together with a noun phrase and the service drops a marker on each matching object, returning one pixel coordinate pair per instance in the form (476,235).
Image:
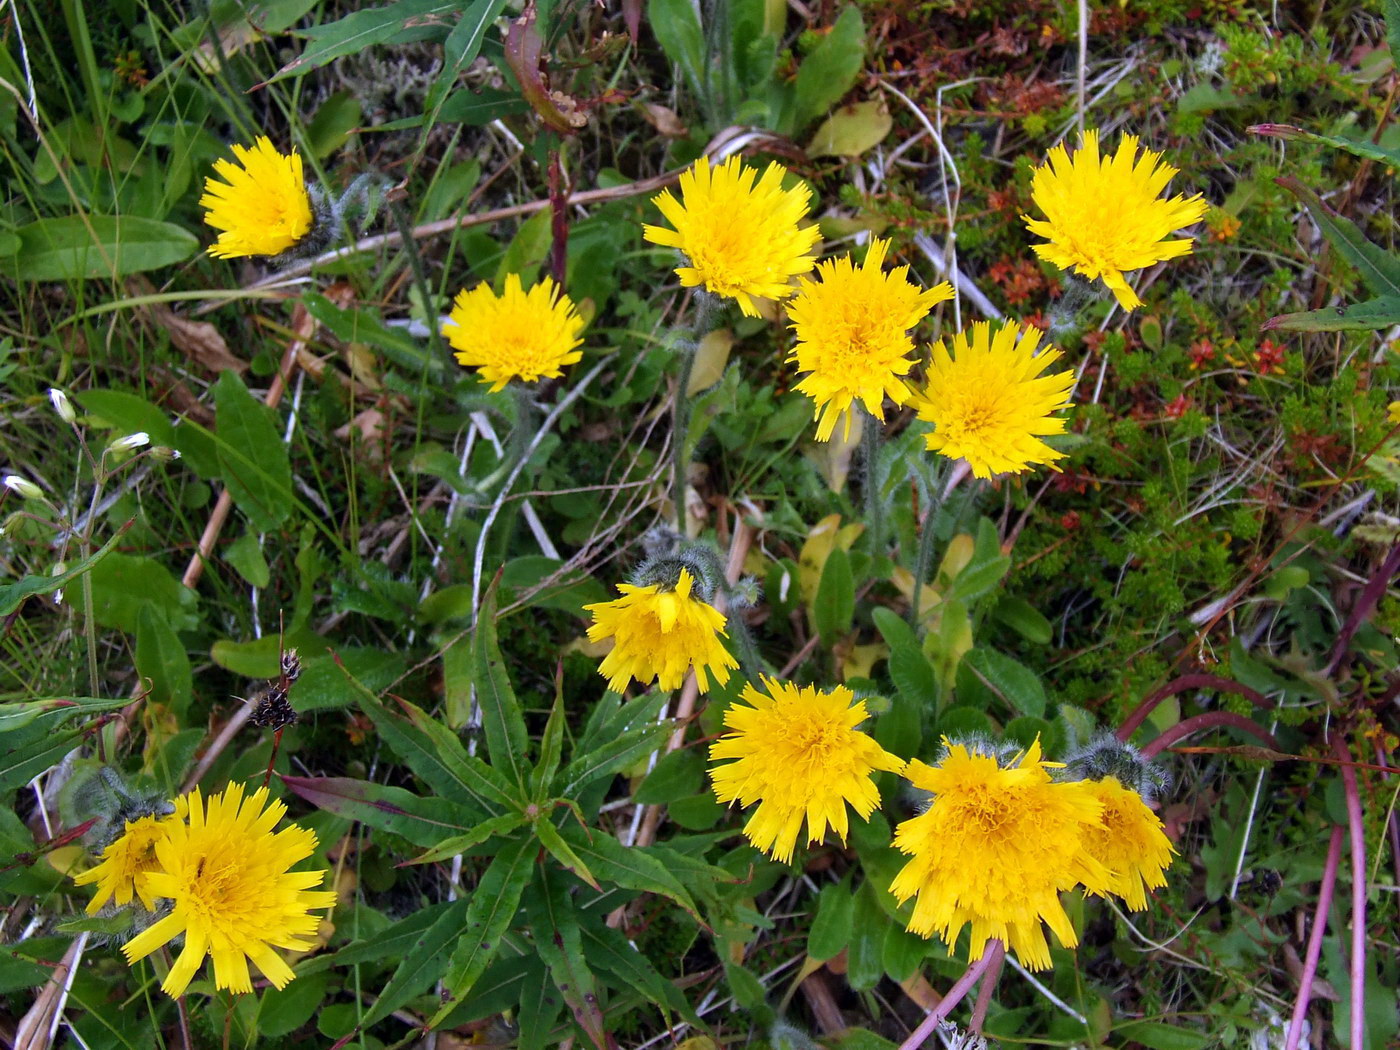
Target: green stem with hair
(870,429)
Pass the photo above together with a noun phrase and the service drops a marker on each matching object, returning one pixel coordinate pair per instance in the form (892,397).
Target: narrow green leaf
(450,847)
(831,926)
(1369,316)
(492,907)
(252,458)
(1357,147)
(830,69)
(1392,29)
(362,29)
(551,744)
(1023,618)
(501,720)
(161,659)
(632,867)
(393,942)
(676,25)
(865,956)
(1379,269)
(1011,682)
(424,962)
(539,1008)
(1158,1036)
(560,944)
(561,851)
(676,775)
(618,753)
(423,821)
(611,953)
(835,604)
(462,46)
(12,594)
(74,247)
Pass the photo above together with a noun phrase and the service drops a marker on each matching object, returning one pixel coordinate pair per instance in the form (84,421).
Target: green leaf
(334,122)
(831,69)
(865,957)
(561,851)
(462,46)
(527,250)
(1023,618)
(551,745)
(423,821)
(252,458)
(831,926)
(15,716)
(1011,682)
(501,720)
(631,867)
(13,594)
(246,556)
(450,847)
(392,942)
(610,953)
(424,962)
(437,757)
(363,29)
(123,585)
(161,659)
(902,952)
(73,247)
(283,1012)
(675,775)
(129,413)
(835,603)
(1358,147)
(559,942)
(489,915)
(1369,316)
(1158,1036)
(615,754)
(676,24)
(851,130)
(1379,269)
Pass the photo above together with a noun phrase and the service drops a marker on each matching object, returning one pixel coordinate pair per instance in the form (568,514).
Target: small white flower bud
(23,487)
(62,405)
(164,453)
(131,441)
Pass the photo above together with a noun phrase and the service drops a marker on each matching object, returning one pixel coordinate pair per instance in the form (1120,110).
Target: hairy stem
(870,429)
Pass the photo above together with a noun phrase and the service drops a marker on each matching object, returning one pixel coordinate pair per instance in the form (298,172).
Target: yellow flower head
(226,873)
(853,335)
(1392,412)
(1129,841)
(993,851)
(989,402)
(660,634)
(742,240)
(262,208)
(1104,215)
(521,335)
(800,756)
(126,865)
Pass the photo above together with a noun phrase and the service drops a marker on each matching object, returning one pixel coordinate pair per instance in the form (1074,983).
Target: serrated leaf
(252,458)
(492,907)
(501,720)
(75,247)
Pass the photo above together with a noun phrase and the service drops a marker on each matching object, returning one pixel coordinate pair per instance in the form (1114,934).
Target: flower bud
(23,487)
(164,453)
(131,441)
(62,405)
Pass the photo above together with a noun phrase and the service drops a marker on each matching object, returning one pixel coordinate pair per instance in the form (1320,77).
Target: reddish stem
(1181,685)
(1358,891)
(559,219)
(936,1016)
(1319,930)
(1208,720)
(1365,605)
(987,987)
(1392,826)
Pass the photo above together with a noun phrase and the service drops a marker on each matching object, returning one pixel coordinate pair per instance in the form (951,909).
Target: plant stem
(680,424)
(922,564)
(870,429)
(992,954)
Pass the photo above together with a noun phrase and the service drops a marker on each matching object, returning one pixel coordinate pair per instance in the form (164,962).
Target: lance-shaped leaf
(436,756)
(423,821)
(365,28)
(424,961)
(451,847)
(1370,316)
(501,719)
(58,709)
(560,850)
(632,867)
(618,753)
(12,594)
(1364,148)
(1377,267)
(493,905)
(523,51)
(552,743)
(560,944)
(610,952)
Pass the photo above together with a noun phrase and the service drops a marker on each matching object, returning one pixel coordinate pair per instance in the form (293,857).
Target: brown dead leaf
(200,341)
(370,426)
(664,120)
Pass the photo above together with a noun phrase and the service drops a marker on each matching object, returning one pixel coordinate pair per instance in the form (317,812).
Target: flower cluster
(215,873)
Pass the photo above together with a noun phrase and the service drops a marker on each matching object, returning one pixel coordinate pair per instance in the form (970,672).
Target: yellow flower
(989,402)
(800,756)
(853,335)
(1105,215)
(993,851)
(1129,841)
(126,865)
(660,634)
(226,874)
(521,335)
(742,240)
(262,208)
(1392,412)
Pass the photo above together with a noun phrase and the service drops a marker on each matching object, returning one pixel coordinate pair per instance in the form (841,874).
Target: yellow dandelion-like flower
(988,401)
(742,240)
(853,335)
(126,865)
(520,335)
(233,897)
(660,634)
(262,208)
(1104,215)
(1392,412)
(1129,841)
(993,851)
(800,756)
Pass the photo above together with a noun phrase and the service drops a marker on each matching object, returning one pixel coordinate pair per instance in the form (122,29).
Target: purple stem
(987,987)
(1393,825)
(1319,930)
(1208,720)
(1181,685)
(1365,605)
(1358,892)
(955,995)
